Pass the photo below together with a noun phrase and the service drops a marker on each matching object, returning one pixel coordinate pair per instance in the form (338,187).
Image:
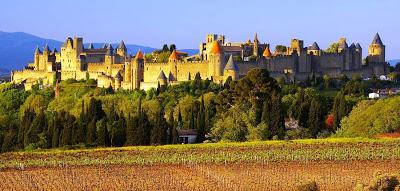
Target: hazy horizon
(155,22)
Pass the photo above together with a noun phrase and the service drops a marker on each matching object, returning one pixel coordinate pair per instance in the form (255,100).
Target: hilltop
(16,49)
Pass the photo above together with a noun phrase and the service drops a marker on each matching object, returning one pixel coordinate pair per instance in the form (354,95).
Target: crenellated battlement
(76,62)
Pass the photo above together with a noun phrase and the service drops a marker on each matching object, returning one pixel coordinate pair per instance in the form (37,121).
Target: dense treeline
(255,107)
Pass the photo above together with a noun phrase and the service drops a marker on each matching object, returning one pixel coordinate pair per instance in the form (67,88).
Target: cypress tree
(315,120)
(56,130)
(10,140)
(91,132)
(66,133)
(27,119)
(38,126)
(131,123)
(201,129)
(79,132)
(158,131)
(102,133)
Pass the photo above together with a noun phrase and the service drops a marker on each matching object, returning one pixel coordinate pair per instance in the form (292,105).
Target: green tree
(38,126)
(172,47)
(333,48)
(163,57)
(165,48)
(201,122)
(91,132)
(102,133)
(280,48)
(315,119)
(158,132)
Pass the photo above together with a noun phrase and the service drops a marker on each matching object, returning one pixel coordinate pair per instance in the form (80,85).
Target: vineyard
(335,164)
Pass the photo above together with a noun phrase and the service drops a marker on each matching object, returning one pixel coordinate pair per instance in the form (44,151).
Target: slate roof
(122,45)
(314,46)
(230,65)
(377,40)
(161,76)
(118,76)
(37,50)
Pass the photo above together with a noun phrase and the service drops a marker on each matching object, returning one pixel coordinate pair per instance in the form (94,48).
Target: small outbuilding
(373,95)
(187,136)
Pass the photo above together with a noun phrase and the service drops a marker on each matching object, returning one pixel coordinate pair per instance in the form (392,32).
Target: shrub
(381,183)
(309,186)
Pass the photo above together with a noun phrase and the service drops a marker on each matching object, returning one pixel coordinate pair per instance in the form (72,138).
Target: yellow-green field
(335,164)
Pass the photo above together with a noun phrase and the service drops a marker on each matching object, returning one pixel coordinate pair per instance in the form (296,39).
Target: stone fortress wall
(217,60)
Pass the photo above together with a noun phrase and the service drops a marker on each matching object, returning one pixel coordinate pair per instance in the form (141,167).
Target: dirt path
(272,176)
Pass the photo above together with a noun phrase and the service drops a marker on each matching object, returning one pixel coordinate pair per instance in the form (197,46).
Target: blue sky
(186,22)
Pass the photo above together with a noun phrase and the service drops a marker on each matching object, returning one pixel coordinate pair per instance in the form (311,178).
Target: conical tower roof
(139,55)
(118,76)
(68,41)
(46,48)
(230,65)
(37,50)
(122,45)
(90,46)
(314,46)
(267,52)
(377,40)
(110,50)
(161,76)
(55,50)
(358,46)
(216,48)
(174,56)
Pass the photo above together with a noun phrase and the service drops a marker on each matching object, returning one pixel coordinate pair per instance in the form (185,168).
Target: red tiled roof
(267,52)
(216,48)
(174,56)
(139,55)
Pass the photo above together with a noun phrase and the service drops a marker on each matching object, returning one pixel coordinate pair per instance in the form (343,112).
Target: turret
(267,53)
(231,69)
(46,50)
(215,66)
(121,50)
(137,65)
(68,43)
(109,59)
(78,45)
(172,62)
(118,79)
(376,51)
(162,79)
(37,57)
(38,51)
(358,47)
(314,49)
(255,45)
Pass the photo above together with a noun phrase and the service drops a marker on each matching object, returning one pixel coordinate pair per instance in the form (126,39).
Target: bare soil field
(338,175)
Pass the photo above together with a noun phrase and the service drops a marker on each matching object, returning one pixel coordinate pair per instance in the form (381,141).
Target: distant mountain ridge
(393,62)
(16,49)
